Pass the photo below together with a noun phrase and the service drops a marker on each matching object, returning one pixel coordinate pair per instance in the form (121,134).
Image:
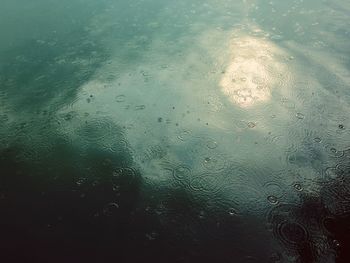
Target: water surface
(175,131)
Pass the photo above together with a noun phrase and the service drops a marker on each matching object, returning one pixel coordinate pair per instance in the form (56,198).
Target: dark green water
(175,131)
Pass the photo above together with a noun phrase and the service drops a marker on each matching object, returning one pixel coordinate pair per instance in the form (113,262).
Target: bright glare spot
(249,77)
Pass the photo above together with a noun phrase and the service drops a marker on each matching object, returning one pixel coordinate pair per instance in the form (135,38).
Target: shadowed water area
(175,131)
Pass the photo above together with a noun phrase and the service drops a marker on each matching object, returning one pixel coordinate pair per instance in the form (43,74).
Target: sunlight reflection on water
(249,77)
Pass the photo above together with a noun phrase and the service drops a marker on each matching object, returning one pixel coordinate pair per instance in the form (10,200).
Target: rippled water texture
(175,131)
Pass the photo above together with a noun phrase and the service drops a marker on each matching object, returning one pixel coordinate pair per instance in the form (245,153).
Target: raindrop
(333,151)
(298,187)
(336,243)
(317,139)
(251,125)
(232,212)
(212,144)
(181,173)
(300,116)
(272,199)
(120,98)
(80,181)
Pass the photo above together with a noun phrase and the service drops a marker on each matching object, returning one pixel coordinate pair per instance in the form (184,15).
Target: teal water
(175,131)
